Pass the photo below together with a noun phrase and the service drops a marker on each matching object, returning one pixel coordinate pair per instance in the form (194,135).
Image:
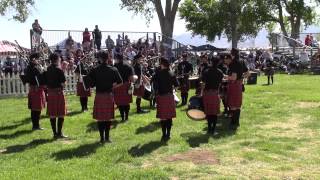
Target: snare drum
(195,109)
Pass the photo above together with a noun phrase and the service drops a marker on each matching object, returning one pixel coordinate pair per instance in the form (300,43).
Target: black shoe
(163,139)
(55,136)
(142,111)
(108,141)
(61,136)
(37,129)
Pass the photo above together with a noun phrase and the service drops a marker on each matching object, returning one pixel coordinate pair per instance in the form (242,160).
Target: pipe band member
(211,80)
(104,78)
(139,85)
(185,69)
(82,91)
(164,83)
(36,95)
(122,97)
(55,80)
(237,71)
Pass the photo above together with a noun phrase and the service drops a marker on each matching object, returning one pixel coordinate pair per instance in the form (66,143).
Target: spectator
(8,66)
(36,27)
(304,57)
(119,41)
(109,43)
(86,42)
(126,41)
(69,45)
(307,40)
(130,53)
(97,36)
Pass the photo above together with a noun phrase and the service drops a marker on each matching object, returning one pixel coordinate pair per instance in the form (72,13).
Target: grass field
(279,138)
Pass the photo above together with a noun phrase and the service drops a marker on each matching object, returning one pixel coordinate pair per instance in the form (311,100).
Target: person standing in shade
(55,81)
(104,78)
(164,83)
(97,36)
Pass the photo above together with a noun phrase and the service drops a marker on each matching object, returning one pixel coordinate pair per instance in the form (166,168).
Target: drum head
(196,114)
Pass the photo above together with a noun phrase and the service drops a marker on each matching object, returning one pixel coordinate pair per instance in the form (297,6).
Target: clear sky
(78,14)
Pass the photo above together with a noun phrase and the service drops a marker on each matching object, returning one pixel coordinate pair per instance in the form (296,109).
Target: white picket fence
(13,86)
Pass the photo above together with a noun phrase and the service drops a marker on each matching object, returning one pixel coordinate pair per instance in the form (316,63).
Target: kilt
(36,98)
(121,96)
(56,103)
(139,92)
(103,109)
(211,102)
(234,94)
(166,107)
(81,91)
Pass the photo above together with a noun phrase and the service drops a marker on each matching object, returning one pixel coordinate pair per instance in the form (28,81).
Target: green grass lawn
(279,138)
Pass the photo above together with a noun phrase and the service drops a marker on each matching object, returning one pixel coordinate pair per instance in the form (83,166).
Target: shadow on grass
(152,127)
(78,152)
(31,145)
(195,139)
(94,127)
(16,125)
(16,134)
(139,151)
(74,113)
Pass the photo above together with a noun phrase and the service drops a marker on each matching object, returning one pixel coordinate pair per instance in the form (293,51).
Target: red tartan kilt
(121,96)
(103,109)
(36,98)
(81,91)
(234,94)
(211,102)
(56,103)
(139,91)
(166,107)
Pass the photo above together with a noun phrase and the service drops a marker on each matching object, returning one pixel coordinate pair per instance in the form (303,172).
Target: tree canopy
(166,14)
(18,9)
(237,19)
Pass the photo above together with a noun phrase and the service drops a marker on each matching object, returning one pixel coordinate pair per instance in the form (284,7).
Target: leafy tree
(166,14)
(290,15)
(19,8)
(237,19)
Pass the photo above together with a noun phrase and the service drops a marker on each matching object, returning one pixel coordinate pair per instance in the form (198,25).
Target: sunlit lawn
(278,139)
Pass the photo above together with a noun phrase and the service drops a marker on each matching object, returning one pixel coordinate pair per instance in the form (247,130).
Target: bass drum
(195,109)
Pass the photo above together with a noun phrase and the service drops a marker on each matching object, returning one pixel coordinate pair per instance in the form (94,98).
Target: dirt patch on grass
(306,105)
(67,142)
(197,156)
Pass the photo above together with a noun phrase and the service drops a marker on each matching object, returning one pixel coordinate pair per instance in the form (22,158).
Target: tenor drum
(195,109)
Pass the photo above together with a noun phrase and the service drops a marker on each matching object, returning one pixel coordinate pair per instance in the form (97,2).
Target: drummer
(235,87)
(211,79)
(185,69)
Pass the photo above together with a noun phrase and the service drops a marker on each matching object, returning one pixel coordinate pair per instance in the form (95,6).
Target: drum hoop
(193,118)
